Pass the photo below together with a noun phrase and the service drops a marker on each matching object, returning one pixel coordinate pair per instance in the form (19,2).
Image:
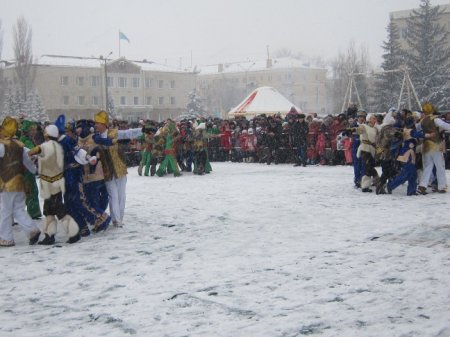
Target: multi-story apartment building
(400,20)
(80,86)
(223,86)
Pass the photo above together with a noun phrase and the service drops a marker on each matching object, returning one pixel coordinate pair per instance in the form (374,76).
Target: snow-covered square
(248,250)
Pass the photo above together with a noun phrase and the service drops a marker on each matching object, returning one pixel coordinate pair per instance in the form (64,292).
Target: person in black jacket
(272,139)
(299,133)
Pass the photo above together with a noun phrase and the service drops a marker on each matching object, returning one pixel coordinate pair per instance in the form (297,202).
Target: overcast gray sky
(212,31)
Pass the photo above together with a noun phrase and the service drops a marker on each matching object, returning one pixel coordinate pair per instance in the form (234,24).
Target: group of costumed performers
(396,143)
(66,198)
(80,172)
(174,148)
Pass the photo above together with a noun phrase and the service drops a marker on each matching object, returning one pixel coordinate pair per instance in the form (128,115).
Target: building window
(135,82)
(122,82)
(110,82)
(95,81)
(123,100)
(65,100)
(95,100)
(136,100)
(161,100)
(172,100)
(172,84)
(148,100)
(160,84)
(80,100)
(80,81)
(64,80)
(148,82)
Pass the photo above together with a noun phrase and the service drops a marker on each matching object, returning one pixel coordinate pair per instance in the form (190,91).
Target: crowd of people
(81,172)
(82,165)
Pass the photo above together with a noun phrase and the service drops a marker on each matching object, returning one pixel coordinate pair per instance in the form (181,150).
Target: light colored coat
(368,136)
(51,169)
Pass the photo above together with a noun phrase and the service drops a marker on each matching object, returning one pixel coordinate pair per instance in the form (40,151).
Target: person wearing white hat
(201,162)
(50,155)
(366,151)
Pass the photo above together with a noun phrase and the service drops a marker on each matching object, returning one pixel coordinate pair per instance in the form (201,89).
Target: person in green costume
(169,163)
(28,129)
(147,141)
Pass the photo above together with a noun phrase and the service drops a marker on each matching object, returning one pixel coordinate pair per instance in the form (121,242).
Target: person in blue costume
(93,178)
(407,159)
(358,165)
(75,198)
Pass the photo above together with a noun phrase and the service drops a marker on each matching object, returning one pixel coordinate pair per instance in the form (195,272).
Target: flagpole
(119,43)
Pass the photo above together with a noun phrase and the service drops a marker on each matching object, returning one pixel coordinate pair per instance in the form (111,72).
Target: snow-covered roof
(250,66)
(152,66)
(95,62)
(69,61)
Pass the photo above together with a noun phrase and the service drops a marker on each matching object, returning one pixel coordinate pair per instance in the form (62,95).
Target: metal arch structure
(409,90)
(349,92)
(407,85)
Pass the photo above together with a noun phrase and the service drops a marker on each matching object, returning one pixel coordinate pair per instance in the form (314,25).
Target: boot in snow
(48,240)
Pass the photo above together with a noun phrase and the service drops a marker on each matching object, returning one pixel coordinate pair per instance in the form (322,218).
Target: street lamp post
(106,80)
(246,70)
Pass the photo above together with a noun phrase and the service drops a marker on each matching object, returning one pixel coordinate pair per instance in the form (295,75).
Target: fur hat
(9,127)
(52,131)
(369,116)
(101,117)
(70,126)
(428,108)
(361,113)
(391,110)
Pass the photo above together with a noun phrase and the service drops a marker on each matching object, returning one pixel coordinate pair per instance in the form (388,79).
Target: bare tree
(2,65)
(24,58)
(348,65)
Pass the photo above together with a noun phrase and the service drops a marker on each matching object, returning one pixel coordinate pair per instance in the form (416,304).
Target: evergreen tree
(15,105)
(388,84)
(428,55)
(111,108)
(35,109)
(195,105)
(7,106)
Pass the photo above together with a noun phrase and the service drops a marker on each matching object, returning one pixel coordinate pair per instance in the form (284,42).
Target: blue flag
(122,36)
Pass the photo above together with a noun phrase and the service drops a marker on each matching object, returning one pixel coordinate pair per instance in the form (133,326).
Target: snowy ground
(248,250)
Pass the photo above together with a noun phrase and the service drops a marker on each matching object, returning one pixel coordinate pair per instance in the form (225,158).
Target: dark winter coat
(299,132)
